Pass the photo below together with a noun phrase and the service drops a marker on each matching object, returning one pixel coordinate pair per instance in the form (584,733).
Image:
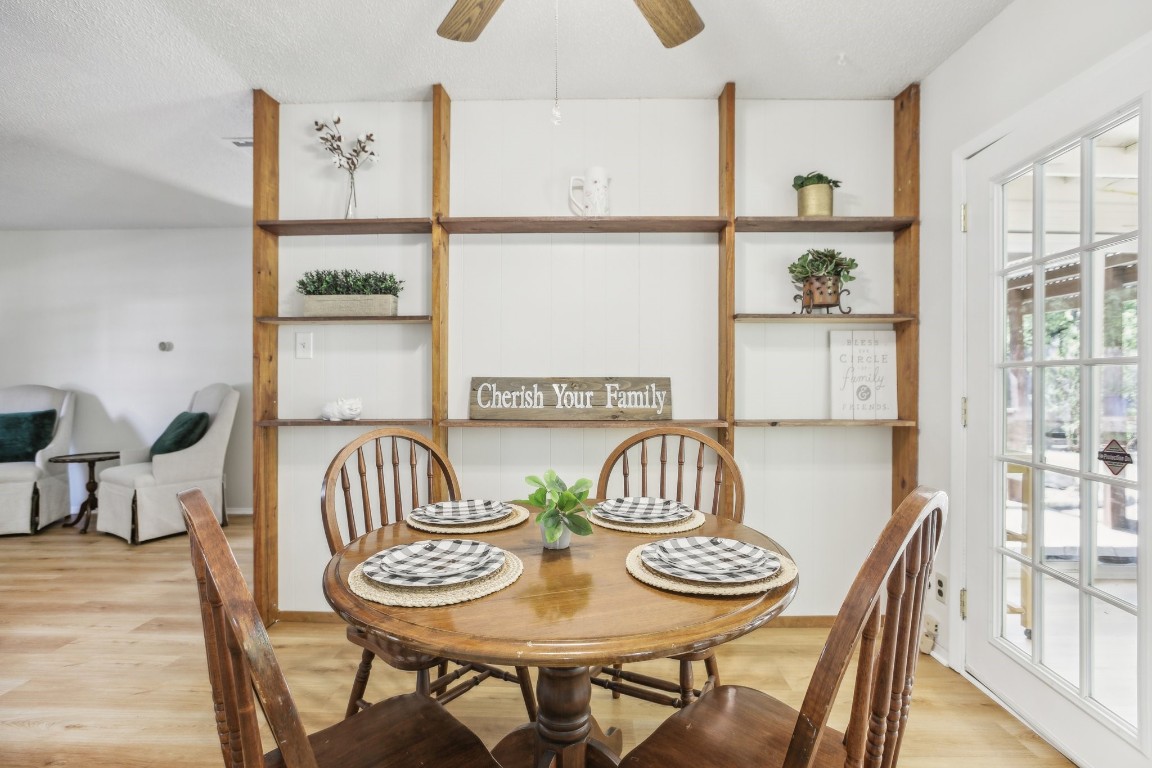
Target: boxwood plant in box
(345,292)
(819,275)
(561,507)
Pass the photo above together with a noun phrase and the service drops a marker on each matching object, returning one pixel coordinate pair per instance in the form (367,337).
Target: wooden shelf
(745,317)
(352,423)
(295,227)
(824,423)
(823,223)
(483,225)
(585,424)
(347,320)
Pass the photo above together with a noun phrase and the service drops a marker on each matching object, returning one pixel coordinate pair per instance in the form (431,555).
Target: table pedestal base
(564,731)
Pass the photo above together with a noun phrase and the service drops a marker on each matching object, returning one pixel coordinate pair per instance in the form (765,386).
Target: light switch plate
(304,345)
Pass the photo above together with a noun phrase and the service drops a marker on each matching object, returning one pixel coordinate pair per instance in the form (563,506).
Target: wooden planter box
(349,306)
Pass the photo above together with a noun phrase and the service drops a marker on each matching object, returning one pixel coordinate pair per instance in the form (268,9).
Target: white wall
(86,311)
(1032,47)
(592,305)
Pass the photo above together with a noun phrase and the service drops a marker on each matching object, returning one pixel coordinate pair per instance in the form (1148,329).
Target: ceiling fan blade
(467,19)
(673,21)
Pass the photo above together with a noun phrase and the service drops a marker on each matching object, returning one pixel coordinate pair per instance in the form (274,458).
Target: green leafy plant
(348,282)
(561,506)
(822,261)
(813,178)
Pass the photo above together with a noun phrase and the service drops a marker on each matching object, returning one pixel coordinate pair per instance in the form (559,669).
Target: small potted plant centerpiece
(349,292)
(561,508)
(819,275)
(814,194)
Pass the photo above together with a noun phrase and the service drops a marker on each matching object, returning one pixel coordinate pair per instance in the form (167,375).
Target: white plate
(655,561)
(461,512)
(642,510)
(710,554)
(431,559)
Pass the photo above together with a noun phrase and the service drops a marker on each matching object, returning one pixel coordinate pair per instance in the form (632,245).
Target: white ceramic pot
(560,543)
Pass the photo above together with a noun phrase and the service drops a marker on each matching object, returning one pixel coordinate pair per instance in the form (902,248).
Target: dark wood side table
(88,508)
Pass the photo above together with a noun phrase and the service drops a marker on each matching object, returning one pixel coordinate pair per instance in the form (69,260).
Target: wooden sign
(570,399)
(863,374)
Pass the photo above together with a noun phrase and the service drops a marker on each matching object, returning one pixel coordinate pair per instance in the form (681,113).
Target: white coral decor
(341,409)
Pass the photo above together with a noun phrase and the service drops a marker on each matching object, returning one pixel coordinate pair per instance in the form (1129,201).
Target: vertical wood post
(265,301)
(441,167)
(726,280)
(906,287)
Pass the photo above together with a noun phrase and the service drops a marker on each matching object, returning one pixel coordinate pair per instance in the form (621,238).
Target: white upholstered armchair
(138,498)
(34,492)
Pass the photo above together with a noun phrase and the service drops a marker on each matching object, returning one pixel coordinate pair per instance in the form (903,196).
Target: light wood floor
(102,666)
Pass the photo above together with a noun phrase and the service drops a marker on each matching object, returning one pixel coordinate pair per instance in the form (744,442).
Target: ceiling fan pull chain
(556,66)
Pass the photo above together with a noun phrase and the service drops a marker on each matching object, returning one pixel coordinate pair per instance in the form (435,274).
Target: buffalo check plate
(708,554)
(642,510)
(434,563)
(699,560)
(461,512)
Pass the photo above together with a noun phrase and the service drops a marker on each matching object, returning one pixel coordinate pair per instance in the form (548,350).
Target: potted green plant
(349,292)
(819,275)
(561,508)
(814,194)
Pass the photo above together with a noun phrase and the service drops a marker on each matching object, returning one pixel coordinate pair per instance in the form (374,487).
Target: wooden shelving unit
(440,225)
(747,317)
(347,320)
(304,227)
(559,225)
(823,223)
(824,423)
(354,423)
(581,424)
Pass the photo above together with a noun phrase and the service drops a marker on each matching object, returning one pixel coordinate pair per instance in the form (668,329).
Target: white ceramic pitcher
(594,185)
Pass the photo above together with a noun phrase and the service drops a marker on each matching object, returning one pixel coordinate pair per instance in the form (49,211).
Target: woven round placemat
(637,568)
(695,520)
(447,594)
(519,515)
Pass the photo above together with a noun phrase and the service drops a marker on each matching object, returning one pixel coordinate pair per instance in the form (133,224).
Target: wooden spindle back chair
(880,618)
(675,463)
(375,480)
(243,670)
(692,468)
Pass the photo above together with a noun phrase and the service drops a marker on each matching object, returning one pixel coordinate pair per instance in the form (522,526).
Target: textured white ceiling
(112,111)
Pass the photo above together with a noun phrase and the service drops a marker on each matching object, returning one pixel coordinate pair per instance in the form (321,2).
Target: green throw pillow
(23,434)
(184,432)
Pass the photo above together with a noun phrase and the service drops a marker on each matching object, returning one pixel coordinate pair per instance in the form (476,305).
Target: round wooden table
(570,610)
(88,508)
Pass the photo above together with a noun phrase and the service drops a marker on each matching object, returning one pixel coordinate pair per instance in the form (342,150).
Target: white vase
(560,543)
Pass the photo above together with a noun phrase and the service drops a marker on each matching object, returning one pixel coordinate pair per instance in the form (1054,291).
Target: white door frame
(1123,79)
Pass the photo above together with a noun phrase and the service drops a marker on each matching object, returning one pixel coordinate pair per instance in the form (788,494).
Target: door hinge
(963,411)
(964,603)
(963,217)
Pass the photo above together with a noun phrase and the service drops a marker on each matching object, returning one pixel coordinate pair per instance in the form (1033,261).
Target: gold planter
(814,200)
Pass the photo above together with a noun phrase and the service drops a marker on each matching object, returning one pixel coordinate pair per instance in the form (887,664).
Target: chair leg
(526,691)
(360,683)
(713,669)
(687,689)
(617,667)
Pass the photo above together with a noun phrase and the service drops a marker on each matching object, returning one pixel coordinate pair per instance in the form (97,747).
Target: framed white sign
(863,374)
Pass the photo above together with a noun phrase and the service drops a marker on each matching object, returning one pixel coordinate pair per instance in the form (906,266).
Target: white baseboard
(239,511)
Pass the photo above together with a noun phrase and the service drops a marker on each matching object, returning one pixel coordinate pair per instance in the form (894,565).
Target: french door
(1057,392)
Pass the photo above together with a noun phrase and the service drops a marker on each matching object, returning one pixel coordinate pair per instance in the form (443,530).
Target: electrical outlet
(304,345)
(940,585)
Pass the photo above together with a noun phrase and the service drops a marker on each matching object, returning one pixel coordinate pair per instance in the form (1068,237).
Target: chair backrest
(377,478)
(37,397)
(240,656)
(881,614)
(675,463)
(219,401)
